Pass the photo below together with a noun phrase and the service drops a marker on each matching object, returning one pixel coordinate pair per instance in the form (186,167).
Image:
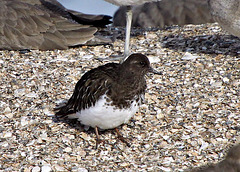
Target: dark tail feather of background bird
(86,19)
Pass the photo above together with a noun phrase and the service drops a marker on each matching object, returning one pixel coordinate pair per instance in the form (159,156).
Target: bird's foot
(98,141)
(124,140)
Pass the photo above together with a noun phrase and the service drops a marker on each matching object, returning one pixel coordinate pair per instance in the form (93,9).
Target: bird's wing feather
(89,89)
(40,24)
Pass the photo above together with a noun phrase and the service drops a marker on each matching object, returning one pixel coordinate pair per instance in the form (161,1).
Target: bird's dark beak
(154,71)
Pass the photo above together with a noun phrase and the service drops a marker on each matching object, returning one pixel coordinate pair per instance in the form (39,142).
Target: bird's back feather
(89,89)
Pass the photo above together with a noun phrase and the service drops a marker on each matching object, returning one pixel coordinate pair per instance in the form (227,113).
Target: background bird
(230,164)
(108,96)
(129,4)
(227,14)
(166,13)
(46,25)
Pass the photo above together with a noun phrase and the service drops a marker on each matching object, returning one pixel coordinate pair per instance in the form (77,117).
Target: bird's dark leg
(121,137)
(98,137)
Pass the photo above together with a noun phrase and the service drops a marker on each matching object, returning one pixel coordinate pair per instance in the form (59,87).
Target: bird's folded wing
(88,90)
(30,25)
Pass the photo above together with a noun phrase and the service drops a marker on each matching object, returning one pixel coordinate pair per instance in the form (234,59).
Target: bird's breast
(105,115)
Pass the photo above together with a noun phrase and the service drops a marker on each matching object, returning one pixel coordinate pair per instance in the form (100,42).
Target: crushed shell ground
(190,116)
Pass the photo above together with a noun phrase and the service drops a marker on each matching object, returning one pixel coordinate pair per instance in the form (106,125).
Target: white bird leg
(128,31)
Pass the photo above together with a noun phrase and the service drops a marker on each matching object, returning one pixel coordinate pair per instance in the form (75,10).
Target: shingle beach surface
(191,114)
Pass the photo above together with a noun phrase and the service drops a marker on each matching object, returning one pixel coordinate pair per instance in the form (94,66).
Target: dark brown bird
(108,96)
(45,25)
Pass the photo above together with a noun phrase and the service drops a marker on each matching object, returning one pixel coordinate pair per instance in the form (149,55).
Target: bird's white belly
(105,116)
(129,2)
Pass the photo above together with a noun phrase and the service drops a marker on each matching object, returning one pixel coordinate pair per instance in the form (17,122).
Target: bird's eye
(142,64)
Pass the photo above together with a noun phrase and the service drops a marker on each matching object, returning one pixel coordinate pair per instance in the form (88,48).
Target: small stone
(46,168)
(19,92)
(154,59)
(172,79)
(24,121)
(217,84)
(31,95)
(125,164)
(167,161)
(189,56)
(7,135)
(47,112)
(87,57)
(23,154)
(68,149)
(4,144)
(7,110)
(81,153)
(160,115)
(9,115)
(44,136)
(82,170)
(225,80)
(85,136)
(167,169)
(151,36)
(185,137)
(147,146)
(59,168)
(36,169)
(163,144)
(165,137)
(39,140)
(204,145)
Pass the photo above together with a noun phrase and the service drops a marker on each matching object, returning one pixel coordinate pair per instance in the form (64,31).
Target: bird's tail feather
(62,110)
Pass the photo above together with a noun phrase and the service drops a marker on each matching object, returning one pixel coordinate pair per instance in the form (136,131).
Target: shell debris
(190,116)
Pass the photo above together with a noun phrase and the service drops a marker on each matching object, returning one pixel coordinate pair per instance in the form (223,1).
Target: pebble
(167,161)
(47,112)
(82,170)
(154,59)
(46,168)
(189,56)
(59,168)
(68,149)
(166,169)
(24,121)
(87,57)
(225,80)
(7,135)
(31,95)
(44,136)
(7,110)
(36,169)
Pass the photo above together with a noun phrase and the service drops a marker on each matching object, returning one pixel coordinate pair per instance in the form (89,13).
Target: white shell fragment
(189,56)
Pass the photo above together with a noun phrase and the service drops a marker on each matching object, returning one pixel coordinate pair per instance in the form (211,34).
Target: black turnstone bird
(129,4)
(109,95)
(46,25)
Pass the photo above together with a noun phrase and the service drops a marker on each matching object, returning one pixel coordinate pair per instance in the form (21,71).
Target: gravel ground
(190,117)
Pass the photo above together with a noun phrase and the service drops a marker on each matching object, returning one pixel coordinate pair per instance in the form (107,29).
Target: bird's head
(138,64)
